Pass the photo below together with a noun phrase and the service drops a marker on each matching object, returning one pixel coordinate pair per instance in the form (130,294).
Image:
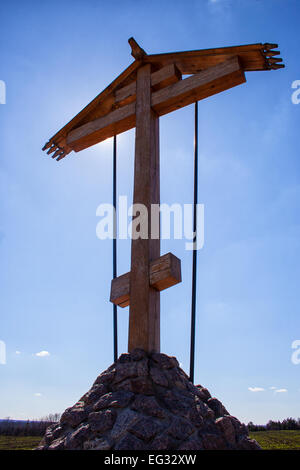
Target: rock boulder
(147,402)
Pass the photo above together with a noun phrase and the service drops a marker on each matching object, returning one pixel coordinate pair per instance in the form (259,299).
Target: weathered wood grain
(85,114)
(199,86)
(100,129)
(165,272)
(159,79)
(120,290)
(253,57)
(136,51)
(144,313)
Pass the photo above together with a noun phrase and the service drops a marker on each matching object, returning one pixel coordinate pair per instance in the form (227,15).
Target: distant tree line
(10,427)
(288,424)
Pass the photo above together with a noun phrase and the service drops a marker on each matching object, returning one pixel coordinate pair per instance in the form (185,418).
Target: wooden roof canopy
(113,110)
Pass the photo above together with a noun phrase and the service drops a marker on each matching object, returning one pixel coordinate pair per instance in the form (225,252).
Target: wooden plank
(187,66)
(144,312)
(202,85)
(60,136)
(272,53)
(100,129)
(126,95)
(199,86)
(165,77)
(159,79)
(120,289)
(267,46)
(165,272)
(251,57)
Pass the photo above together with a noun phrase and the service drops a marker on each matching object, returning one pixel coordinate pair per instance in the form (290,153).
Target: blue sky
(55,273)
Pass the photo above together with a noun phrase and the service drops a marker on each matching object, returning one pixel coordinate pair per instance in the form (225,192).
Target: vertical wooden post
(144,316)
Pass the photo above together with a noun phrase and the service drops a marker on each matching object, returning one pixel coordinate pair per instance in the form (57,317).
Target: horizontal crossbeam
(164,273)
(197,87)
(251,56)
(164,77)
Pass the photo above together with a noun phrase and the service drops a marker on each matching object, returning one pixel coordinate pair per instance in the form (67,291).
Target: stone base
(146,402)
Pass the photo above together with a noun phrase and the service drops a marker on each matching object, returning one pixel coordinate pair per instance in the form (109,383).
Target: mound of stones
(147,402)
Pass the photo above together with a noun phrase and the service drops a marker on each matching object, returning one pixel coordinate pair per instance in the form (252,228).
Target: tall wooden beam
(144,316)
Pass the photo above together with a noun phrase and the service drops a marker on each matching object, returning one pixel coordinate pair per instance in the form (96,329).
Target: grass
(268,440)
(19,442)
(277,440)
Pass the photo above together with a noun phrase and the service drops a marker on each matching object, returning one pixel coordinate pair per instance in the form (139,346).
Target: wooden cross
(149,88)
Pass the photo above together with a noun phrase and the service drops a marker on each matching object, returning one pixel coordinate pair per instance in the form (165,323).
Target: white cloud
(280,390)
(272,388)
(38,394)
(256,389)
(18,352)
(42,354)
